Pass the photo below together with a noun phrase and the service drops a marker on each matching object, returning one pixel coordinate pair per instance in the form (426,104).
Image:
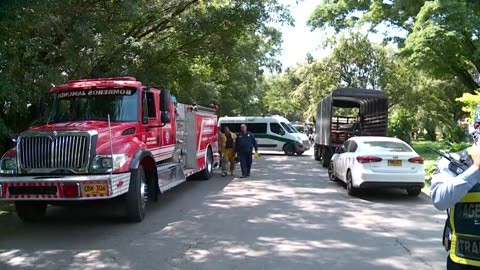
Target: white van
(273,133)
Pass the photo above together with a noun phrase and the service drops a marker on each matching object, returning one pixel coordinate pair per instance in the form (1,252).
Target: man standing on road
(458,192)
(227,144)
(244,147)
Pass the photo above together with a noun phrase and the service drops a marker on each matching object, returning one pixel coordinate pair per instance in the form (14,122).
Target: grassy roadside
(430,158)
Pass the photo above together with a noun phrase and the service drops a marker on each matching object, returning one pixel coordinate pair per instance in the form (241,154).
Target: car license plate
(394,163)
(95,189)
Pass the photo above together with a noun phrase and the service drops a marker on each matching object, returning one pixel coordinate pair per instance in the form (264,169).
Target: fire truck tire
(206,174)
(30,211)
(136,197)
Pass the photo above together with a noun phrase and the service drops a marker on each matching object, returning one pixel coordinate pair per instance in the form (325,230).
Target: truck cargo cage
(331,130)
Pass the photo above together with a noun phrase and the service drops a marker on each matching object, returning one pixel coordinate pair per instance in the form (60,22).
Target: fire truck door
(152,135)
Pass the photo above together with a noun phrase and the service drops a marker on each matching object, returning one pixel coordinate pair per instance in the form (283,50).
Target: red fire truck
(106,138)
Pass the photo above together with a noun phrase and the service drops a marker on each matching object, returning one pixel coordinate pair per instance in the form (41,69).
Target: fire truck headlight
(8,166)
(107,163)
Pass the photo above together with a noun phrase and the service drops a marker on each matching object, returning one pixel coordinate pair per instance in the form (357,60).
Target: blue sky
(299,40)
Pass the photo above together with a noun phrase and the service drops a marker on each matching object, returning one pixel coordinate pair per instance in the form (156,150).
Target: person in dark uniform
(244,147)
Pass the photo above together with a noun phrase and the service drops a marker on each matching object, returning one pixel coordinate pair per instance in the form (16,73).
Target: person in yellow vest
(457,190)
(227,146)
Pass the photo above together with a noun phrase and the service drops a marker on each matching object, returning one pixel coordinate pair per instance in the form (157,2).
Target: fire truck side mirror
(144,110)
(166,117)
(41,104)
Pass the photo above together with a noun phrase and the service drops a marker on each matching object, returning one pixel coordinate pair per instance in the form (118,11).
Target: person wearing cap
(457,190)
(244,147)
(227,146)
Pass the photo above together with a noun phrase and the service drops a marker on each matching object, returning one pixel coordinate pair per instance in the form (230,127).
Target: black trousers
(245,162)
(451,265)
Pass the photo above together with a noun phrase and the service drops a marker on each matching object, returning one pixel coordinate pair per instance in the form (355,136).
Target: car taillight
(418,160)
(368,159)
(71,190)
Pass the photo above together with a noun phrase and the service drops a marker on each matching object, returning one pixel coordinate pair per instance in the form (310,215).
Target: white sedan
(377,162)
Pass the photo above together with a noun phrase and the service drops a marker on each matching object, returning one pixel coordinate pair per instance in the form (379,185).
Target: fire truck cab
(108,138)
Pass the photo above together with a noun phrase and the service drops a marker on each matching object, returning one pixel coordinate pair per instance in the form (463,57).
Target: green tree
(441,35)
(204,51)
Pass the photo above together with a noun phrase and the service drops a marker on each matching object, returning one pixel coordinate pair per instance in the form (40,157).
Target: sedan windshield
(386,146)
(288,127)
(120,104)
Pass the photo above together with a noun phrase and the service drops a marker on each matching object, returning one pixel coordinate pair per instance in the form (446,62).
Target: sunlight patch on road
(401,263)
(303,248)
(69,259)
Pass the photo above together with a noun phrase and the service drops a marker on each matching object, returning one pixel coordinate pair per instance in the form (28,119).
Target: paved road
(286,216)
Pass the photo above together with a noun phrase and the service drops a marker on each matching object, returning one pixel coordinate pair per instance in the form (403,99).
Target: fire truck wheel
(30,211)
(137,195)
(207,172)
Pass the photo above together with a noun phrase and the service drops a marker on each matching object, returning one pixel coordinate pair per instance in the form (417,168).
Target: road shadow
(111,213)
(287,215)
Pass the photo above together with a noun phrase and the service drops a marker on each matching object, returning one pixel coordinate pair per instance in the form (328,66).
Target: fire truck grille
(61,152)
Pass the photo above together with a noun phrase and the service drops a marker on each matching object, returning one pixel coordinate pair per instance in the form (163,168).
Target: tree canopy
(203,51)
(441,36)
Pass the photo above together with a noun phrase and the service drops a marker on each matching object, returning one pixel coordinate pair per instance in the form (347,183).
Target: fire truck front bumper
(63,188)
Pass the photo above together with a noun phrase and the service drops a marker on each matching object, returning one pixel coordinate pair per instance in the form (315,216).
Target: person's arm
(448,189)
(236,146)
(254,142)
(223,143)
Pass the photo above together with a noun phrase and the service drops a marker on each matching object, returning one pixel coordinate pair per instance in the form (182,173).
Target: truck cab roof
(98,83)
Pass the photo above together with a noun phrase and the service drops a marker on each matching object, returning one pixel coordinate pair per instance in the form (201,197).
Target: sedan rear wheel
(414,191)
(351,190)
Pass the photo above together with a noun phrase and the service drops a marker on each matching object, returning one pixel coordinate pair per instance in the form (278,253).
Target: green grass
(430,157)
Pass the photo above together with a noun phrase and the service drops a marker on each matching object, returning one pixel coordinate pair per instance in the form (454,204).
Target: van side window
(234,127)
(276,128)
(257,128)
(151,105)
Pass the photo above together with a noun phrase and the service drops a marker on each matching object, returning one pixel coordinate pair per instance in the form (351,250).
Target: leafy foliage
(204,51)
(355,62)
(441,36)
(401,124)
(470,103)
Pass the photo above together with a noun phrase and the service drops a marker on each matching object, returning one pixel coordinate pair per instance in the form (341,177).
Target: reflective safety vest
(464,220)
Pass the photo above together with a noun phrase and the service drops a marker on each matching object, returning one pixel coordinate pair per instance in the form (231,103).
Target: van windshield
(288,127)
(299,128)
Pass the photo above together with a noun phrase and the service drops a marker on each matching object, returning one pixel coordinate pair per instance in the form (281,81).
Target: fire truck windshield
(121,104)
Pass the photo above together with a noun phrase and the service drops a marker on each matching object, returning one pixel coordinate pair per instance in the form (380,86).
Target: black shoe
(243,176)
